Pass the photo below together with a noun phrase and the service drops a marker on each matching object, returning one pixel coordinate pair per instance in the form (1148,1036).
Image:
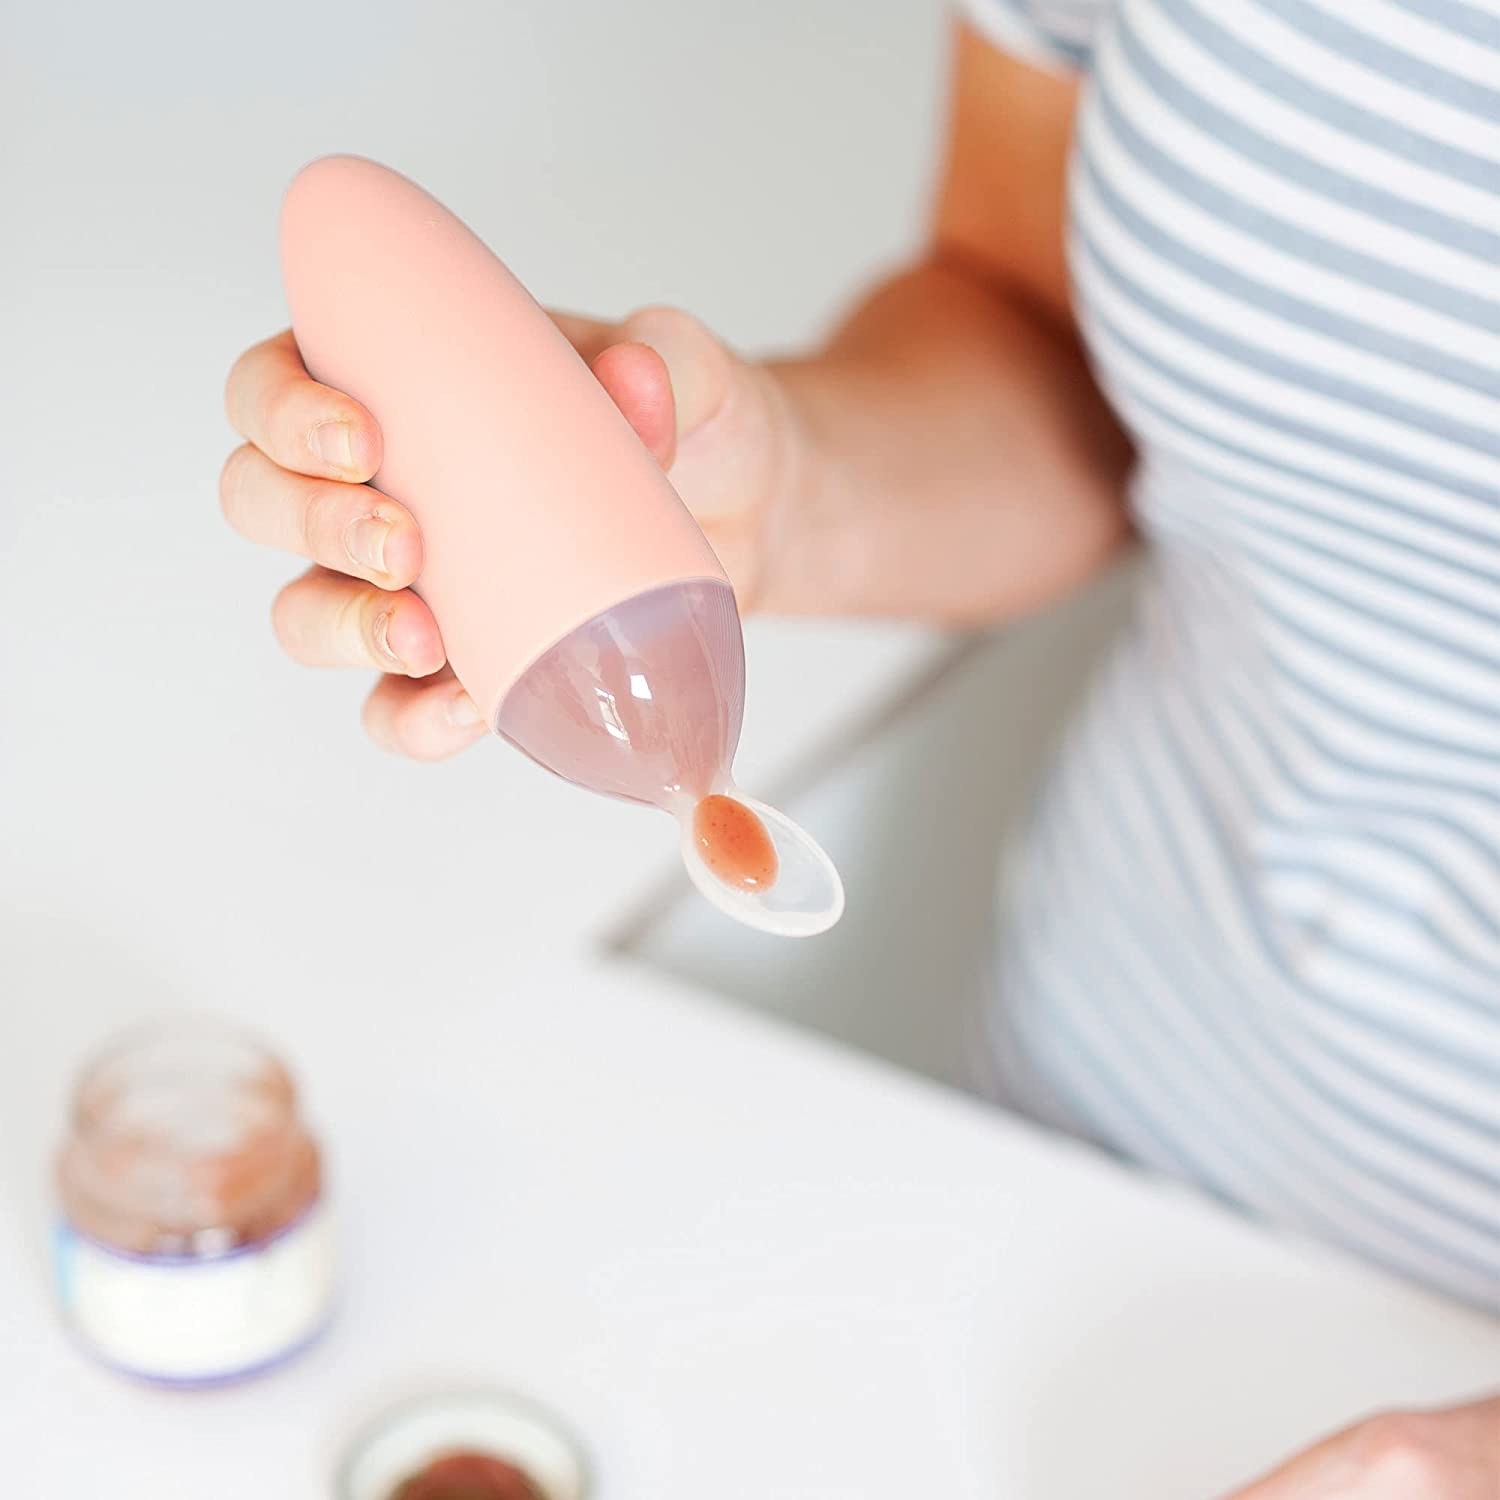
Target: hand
(722,428)
(1409,1455)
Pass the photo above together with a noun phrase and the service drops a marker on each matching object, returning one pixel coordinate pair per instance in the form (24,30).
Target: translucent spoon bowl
(805,898)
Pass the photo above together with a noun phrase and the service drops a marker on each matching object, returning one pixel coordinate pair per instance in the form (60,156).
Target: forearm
(955,459)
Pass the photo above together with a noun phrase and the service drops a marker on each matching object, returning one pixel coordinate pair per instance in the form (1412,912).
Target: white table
(742,1264)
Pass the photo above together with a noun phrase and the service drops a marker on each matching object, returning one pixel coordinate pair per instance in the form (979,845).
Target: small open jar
(464,1445)
(194,1243)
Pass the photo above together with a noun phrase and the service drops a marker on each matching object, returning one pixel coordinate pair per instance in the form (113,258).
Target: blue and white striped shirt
(1255,938)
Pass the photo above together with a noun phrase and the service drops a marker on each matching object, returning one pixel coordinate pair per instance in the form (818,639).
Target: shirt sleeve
(1053,34)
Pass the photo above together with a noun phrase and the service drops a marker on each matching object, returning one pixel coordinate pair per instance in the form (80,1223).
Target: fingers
(324,619)
(730,428)
(348,528)
(719,425)
(1405,1455)
(274,403)
(427,720)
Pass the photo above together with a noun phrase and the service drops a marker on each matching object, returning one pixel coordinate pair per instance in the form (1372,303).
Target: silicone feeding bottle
(580,605)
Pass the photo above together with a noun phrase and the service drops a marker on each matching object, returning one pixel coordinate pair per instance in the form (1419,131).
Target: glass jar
(194,1242)
(464,1443)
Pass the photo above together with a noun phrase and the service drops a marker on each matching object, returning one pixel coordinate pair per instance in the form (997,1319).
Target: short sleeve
(1053,34)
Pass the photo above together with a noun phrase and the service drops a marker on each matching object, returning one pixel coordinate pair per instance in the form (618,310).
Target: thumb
(636,379)
(662,367)
(699,368)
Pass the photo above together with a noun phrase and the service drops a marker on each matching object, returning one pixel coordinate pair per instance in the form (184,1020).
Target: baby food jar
(194,1243)
(464,1445)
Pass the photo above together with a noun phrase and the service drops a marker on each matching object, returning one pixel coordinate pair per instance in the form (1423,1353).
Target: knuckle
(232,483)
(374,716)
(407,736)
(354,620)
(664,319)
(274,403)
(416,733)
(322,506)
(234,384)
(285,621)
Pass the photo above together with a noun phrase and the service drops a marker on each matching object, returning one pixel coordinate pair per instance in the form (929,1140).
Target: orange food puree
(468,1476)
(734,843)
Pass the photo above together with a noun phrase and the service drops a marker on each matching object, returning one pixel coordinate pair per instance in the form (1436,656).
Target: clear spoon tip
(756,865)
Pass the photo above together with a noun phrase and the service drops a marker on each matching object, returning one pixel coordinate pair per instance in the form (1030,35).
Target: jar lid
(402,1441)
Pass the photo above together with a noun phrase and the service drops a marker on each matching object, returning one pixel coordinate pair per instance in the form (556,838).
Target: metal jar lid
(403,1440)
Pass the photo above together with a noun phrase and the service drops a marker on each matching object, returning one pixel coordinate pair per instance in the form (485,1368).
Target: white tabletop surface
(740,1262)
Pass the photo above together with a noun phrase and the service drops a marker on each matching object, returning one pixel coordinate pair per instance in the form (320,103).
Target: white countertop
(741,1264)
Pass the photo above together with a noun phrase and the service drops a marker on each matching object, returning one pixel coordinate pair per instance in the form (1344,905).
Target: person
(1223,276)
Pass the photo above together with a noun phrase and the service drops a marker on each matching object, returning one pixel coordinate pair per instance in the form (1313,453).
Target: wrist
(810,552)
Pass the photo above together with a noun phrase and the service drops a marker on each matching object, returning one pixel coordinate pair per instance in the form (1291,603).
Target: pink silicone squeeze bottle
(581,606)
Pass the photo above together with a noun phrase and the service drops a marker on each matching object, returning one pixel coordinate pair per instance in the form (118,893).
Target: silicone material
(539,506)
(580,604)
(643,701)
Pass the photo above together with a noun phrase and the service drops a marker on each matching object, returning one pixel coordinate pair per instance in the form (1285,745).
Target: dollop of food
(469,1476)
(734,843)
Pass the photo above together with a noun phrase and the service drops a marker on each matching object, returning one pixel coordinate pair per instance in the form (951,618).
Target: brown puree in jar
(190,1146)
(734,843)
(468,1476)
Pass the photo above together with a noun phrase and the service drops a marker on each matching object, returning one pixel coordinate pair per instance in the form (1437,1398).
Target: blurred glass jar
(194,1245)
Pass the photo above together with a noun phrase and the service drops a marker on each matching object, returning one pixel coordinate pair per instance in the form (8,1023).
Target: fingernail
(334,444)
(463,712)
(381,632)
(364,541)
